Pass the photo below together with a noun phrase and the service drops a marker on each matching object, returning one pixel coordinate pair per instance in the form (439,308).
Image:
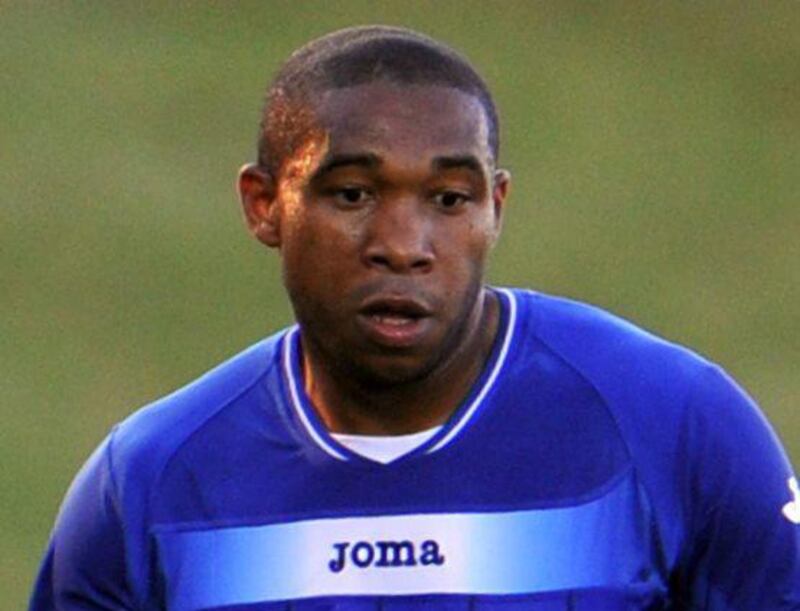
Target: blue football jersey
(592,467)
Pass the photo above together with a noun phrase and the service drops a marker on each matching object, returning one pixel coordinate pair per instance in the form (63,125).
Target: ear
(258,194)
(500,189)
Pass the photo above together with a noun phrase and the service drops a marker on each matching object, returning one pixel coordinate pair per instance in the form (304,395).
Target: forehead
(414,121)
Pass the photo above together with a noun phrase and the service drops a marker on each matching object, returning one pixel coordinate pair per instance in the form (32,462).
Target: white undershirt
(384,449)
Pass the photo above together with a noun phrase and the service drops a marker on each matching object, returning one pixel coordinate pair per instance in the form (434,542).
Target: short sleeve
(84,567)
(743,551)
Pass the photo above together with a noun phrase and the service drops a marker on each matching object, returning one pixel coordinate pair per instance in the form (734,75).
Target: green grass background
(654,148)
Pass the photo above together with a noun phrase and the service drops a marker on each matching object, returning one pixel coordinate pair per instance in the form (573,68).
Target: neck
(348,405)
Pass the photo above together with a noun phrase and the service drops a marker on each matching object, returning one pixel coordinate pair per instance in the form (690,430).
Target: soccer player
(420,440)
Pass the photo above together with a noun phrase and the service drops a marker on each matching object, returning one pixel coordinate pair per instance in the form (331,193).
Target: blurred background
(656,162)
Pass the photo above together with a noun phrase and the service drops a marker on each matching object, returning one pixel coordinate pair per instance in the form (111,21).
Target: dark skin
(384,218)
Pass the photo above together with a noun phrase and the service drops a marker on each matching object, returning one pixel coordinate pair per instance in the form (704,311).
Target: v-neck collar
(461,417)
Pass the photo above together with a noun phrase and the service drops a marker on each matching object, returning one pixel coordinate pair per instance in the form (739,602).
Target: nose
(398,239)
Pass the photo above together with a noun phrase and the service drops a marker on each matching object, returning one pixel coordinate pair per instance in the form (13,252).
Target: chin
(391,371)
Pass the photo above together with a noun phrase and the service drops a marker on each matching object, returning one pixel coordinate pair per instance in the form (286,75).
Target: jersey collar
(464,414)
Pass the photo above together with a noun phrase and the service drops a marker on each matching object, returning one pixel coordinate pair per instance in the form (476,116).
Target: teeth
(393,319)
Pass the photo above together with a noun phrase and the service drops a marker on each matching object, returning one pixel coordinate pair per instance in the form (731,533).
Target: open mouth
(394,321)
(394,312)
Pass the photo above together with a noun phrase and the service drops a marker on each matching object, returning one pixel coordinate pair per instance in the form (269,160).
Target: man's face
(384,220)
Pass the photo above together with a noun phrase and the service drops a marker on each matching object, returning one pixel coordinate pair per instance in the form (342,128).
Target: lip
(394,321)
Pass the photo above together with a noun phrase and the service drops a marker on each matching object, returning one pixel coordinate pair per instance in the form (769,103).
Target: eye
(350,196)
(450,200)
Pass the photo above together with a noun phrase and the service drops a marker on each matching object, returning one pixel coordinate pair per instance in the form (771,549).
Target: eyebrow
(333,162)
(372,161)
(469,162)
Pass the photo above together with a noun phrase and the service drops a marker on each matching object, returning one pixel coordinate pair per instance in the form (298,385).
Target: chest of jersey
(532,508)
(527,559)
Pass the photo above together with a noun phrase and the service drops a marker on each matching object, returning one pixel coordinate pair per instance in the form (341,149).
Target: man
(420,440)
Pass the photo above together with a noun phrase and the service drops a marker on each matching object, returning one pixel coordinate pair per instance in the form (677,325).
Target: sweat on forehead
(352,57)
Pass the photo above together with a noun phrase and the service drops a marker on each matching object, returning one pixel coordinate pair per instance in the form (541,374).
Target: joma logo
(364,554)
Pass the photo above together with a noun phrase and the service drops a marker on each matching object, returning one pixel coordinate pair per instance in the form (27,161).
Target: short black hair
(355,56)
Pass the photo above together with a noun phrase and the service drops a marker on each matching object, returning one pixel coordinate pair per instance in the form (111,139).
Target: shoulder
(651,385)
(642,377)
(613,354)
(142,444)
(647,384)
(693,434)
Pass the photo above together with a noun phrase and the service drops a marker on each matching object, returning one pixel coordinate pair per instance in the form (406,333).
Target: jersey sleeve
(743,551)
(84,566)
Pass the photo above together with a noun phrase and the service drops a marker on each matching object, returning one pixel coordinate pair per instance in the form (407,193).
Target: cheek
(476,242)
(462,262)
(317,254)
